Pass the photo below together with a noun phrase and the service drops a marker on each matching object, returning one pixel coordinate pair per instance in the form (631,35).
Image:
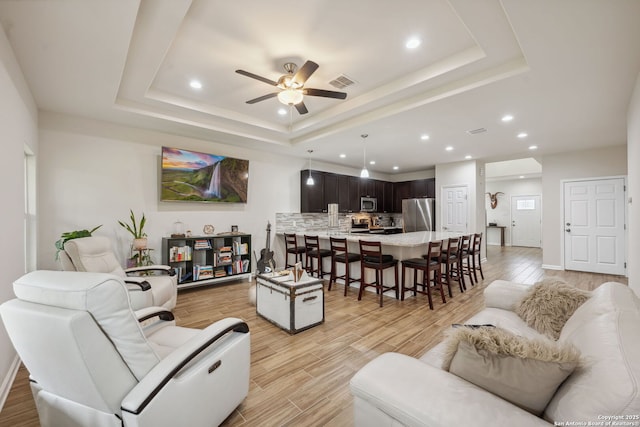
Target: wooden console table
(501,227)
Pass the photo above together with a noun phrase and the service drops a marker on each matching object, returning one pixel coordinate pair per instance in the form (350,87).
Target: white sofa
(395,389)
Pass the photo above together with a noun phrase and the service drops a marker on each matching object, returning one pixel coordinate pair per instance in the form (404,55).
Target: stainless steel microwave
(368,204)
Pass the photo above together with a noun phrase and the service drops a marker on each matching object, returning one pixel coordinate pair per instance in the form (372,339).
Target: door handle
(568,230)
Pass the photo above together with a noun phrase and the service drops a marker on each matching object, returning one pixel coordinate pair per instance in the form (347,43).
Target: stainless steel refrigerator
(418,214)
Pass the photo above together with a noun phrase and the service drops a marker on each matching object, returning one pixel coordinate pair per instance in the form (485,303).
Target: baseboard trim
(552,267)
(7,382)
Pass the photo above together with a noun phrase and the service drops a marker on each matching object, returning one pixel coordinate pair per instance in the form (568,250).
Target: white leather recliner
(157,286)
(93,363)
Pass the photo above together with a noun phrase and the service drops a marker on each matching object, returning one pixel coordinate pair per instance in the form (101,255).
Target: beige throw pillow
(524,372)
(549,304)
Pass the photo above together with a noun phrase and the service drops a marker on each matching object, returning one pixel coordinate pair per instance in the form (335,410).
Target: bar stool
(449,257)
(426,264)
(312,250)
(340,254)
(292,248)
(372,257)
(464,259)
(476,246)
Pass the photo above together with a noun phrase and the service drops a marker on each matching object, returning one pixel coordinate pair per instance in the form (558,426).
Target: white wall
(18,129)
(469,173)
(633,188)
(502,213)
(92,173)
(611,161)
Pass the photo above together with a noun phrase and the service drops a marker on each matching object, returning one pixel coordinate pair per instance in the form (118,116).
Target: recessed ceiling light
(342,156)
(533,147)
(424,137)
(395,168)
(507,118)
(282,111)
(413,43)
(449,148)
(521,176)
(372,162)
(523,135)
(195,84)
(467,157)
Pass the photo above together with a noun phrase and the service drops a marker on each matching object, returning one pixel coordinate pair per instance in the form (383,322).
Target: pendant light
(364,173)
(310,179)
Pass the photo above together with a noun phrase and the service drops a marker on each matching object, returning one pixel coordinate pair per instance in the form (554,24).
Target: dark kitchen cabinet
(348,194)
(330,189)
(384,194)
(387,198)
(312,196)
(412,189)
(367,187)
(346,191)
(354,194)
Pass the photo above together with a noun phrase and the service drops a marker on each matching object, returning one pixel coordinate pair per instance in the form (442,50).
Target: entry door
(525,221)
(455,208)
(594,223)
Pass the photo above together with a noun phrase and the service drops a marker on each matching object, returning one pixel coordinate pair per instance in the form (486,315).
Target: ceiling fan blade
(305,72)
(262,98)
(302,109)
(257,77)
(324,93)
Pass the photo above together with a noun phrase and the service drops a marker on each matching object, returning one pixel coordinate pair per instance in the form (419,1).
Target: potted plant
(68,235)
(136,228)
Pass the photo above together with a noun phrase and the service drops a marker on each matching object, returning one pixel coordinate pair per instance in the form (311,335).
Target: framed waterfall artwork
(190,176)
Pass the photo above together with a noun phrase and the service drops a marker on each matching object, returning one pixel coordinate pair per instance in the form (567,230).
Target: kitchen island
(402,246)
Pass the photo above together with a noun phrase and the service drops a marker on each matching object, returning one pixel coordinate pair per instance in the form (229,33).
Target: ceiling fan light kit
(292,90)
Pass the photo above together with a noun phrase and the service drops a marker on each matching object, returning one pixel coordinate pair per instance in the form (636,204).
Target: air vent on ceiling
(341,82)
(476,131)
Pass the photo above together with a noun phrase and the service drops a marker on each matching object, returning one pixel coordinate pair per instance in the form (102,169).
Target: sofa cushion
(501,318)
(605,329)
(522,371)
(549,304)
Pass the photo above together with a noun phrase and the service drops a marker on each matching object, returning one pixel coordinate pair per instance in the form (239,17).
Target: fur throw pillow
(525,372)
(549,305)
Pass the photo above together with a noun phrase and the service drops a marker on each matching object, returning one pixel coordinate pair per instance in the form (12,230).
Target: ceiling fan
(291,86)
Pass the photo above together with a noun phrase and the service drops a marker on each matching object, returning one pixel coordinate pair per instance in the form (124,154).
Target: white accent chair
(93,363)
(94,254)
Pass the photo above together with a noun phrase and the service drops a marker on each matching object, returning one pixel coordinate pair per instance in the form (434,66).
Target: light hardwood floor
(303,379)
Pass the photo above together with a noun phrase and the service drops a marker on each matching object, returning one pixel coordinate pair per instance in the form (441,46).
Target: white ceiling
(563,69)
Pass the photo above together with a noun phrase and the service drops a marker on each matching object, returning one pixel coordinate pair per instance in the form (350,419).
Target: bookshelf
(206,260)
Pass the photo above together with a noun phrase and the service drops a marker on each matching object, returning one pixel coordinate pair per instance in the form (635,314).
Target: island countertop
(406,240)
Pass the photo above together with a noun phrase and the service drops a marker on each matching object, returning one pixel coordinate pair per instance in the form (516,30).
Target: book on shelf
(179,253)
(224,258)
(220,272)
(201,272)
(200,244)
(240,248)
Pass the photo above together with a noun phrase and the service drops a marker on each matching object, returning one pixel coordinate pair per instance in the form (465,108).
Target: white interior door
(526,224)
(455,208)
(594,226)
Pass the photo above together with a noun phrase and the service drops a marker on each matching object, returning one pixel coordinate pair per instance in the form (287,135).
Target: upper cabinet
(346,190)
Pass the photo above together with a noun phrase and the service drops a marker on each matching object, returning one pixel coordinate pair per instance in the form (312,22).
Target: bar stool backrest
(453,244)
(338,245)
(371,252)
(290,241)
(435,249)
(311,242)
(477,242)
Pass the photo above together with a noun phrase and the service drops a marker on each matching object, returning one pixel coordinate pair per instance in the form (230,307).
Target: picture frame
(234,228)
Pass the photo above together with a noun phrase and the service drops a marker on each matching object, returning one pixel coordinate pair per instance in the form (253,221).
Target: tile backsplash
(301,222)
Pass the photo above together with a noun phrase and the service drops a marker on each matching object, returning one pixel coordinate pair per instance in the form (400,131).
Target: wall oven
(368,204)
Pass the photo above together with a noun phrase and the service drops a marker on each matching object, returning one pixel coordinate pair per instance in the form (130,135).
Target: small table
(501,227)
(292,306)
